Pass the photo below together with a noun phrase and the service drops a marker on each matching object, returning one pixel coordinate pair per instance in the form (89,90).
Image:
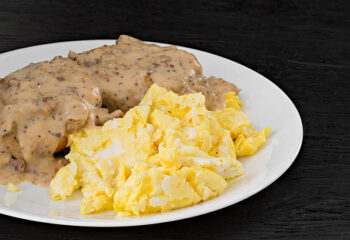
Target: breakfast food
(176,145)
(125,71)
(40,105)
(44,102)
(166,153)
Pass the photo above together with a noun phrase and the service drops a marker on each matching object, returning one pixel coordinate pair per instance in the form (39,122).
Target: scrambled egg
(166,153)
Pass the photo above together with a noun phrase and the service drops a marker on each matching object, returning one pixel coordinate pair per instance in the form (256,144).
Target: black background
(302,46)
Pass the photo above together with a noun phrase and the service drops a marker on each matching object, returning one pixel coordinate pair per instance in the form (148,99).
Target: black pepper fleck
(60,78)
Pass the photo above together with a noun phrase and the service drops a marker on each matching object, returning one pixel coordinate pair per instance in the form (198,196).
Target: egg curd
(166,153)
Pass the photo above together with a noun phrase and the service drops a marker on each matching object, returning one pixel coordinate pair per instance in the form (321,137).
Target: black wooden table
(302,46)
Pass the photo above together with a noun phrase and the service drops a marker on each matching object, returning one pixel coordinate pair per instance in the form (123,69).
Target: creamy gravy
(39,105)
(126,70)
(44,102)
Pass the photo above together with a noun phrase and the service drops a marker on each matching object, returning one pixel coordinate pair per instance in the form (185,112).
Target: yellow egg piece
(11,187)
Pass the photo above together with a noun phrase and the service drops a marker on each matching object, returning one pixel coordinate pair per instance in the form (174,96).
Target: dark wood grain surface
(302,46)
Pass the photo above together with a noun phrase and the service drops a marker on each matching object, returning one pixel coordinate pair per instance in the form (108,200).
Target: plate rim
(129,223)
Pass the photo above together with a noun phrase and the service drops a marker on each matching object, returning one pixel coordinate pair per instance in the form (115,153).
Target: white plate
(264,103)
